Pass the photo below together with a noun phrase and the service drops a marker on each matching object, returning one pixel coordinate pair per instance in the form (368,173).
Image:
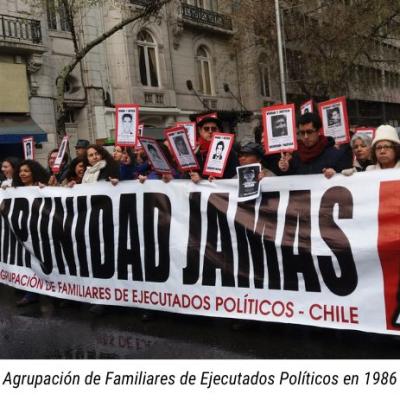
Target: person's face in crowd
(80,151)
(219,150)
(280,126)
(126,159)
(25,174)
(52,159)
(207,130)
(117,153)
(93,156)
(246,159)
(361,150)
(80,170)
(7,169)
(140,155)
(126,125)
(308,135)
(385,153)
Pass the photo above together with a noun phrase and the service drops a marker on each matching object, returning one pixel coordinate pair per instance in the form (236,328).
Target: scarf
(308,154)
(91,174)
(204,145)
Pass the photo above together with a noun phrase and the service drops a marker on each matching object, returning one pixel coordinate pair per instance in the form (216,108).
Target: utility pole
(280,52)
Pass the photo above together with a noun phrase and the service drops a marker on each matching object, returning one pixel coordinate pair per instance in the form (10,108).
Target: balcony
(20,33)
(206,18)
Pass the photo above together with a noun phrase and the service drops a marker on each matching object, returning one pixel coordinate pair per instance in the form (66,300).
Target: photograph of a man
(127,124)
(28,151)
(249,185)
(154,153)
(334,118)
(181,146)
(218,151)
(279,125)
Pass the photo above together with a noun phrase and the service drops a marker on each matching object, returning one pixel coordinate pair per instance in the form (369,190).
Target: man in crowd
(81,147)
(206,128)
(316,152)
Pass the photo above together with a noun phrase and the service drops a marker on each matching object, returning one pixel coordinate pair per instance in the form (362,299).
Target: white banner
(308,251)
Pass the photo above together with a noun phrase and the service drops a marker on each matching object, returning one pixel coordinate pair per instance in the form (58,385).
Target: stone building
(179,64)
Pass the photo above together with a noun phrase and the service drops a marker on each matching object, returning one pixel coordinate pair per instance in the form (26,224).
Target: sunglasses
(210,128)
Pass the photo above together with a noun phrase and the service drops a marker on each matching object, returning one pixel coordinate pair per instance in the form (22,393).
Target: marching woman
(361,146)
(8,168)
(385,148)
(101,166)
(29,173)
(75,172)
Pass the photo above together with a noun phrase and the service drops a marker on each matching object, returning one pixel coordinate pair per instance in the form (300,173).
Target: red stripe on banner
(389,248)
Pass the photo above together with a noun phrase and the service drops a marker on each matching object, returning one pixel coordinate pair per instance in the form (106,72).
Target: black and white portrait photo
(180,146)
(219,151)
(126,124)
(249,185)
(279,128)
(155,155)
(334,118)
(279,125)
(28,148)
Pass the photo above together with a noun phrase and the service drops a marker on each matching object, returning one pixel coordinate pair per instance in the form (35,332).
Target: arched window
(264,76)
(204,71)
(148,59)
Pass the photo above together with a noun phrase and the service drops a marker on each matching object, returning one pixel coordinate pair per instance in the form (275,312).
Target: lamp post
(280,52)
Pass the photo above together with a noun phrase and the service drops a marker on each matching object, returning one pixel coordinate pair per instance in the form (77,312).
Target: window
(148,62)
(205,4)
(204,71)
(264,77)
(57,17)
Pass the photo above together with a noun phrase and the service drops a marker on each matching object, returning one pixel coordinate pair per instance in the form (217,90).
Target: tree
(71,9)
(329,44)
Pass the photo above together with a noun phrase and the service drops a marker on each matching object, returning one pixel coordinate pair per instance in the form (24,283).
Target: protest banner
(370,131)
(308,251)
(191,131)
(218,154)
(307,107)
(60,155)
(29,148)
(279,128)
(180,145)
(334,118)
(248,183)
(126,122)
(156,157)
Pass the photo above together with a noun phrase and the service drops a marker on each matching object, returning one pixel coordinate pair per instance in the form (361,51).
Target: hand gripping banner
(308,251)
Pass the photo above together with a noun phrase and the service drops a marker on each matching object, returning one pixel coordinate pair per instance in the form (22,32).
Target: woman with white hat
(385,148)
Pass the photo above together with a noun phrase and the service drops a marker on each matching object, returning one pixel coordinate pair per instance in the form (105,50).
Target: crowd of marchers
(316,154)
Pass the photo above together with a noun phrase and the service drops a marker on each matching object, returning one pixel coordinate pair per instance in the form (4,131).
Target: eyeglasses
(210,128)
(384,147)
(307,132)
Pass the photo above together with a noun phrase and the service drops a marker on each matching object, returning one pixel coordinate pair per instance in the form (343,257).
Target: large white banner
(308,251)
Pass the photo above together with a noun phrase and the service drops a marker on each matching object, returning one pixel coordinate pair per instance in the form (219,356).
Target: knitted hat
(386,132)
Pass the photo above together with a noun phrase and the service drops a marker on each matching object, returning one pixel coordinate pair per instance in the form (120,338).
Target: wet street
(53,329)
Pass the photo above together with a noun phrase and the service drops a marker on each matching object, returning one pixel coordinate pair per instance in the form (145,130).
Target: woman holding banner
(385,148)
(101,166)
(361,146)
(8,167)
(29,173)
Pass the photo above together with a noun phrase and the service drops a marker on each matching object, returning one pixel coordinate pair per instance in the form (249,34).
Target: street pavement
(52,329)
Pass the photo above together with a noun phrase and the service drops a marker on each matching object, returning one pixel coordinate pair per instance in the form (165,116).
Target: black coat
(331,157)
